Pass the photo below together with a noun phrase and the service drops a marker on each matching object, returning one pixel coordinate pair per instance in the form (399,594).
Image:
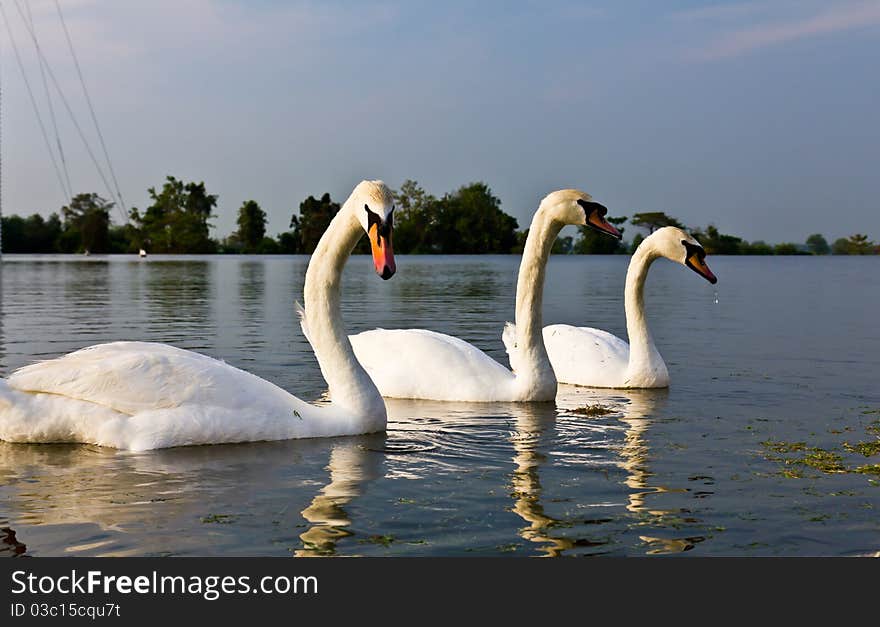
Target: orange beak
(599,223)
(383,253)
(699,266)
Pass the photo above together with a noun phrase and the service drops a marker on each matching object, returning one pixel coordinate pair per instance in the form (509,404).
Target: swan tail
(301,312)
(508,336)
(6,401)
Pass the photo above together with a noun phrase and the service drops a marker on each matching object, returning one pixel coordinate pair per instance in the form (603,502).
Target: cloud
(838,19)
(718,12)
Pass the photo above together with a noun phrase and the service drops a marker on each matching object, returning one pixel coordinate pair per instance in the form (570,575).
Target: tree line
(469,220)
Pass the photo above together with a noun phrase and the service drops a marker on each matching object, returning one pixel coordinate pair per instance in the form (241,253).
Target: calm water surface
(753,450)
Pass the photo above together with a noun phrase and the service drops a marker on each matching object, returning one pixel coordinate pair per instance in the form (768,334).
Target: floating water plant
(593,410)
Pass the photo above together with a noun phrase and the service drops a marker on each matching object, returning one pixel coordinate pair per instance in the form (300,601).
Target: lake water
(753,450)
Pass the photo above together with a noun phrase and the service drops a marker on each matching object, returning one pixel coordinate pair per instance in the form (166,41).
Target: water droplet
(716,297)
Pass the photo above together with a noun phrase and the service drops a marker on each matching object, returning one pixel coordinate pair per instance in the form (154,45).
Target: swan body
(457,370)
(435,366)
(596,358)
(142,395)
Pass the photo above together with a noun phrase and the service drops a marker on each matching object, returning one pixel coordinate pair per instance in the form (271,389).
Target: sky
(762,118)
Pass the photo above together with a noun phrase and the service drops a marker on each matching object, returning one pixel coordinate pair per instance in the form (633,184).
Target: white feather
(141,395)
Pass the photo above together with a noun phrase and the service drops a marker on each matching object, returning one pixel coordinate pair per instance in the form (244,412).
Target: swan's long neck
(350,386)
(642,352)
(533,369)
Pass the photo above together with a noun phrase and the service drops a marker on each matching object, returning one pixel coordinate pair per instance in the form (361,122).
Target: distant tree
(563,245)
(470,221)
(857,244)
(415,214)
(41,234)
(268,246)
(592,242)
(520,242)
(124,238)
(15,239)
(251,226)
(637,240)
(717,243)
(288,243)
(177,219)
(788,248)
(314,218)
(860,245)
(818,245)
(86,224)
(840,246)
(758,247)
(654,220)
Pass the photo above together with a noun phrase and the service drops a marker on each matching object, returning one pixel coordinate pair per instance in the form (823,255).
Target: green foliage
(470,221)
(637,240)
(177,221)
(414,217)
(288,243)
(717,243)
(251,226)
(33,234)
(314,218)
(268,246)
(758,247)
(654,220)
(857,244)
(563,246)
(467,221)
(86,225)
(123,239)
(592,242)
(818,245)
(788,248)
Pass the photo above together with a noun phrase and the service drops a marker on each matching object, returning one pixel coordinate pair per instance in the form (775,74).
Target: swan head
(572,206)
(373,204)
(676,245)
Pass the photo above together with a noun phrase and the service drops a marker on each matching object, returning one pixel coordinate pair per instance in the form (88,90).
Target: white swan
(140,395)
(430,365)
(595,358)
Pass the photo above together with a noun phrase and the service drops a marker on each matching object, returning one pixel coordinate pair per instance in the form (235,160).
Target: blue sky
(759,117)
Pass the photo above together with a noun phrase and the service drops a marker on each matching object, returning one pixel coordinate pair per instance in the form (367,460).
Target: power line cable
(34,104)
(91,107)
(51,108)
(72,116)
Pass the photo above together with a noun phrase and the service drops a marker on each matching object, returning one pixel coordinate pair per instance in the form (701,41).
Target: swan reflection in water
(238,499)
(634,409)
(637,409)
(75,499)
(540,431)
(354,463)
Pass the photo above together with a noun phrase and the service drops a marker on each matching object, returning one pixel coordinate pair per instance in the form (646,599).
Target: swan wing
(416,363)
(135,377)
(586,356)
(508,338)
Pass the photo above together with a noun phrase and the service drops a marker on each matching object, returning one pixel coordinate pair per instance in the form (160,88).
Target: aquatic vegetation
(218,519)
(795,456)
(867,449)
(825,461)
(383,540)
(593,410)
(778,446)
